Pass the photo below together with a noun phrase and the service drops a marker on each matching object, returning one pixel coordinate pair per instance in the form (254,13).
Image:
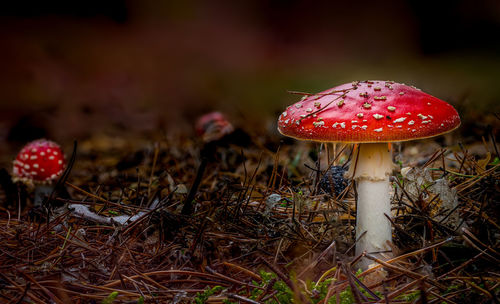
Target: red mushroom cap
(39,161)
(367,112)
(213,126)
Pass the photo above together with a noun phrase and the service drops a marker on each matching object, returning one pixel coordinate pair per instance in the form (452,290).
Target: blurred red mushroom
(371,113)
(213,126)
(39,164)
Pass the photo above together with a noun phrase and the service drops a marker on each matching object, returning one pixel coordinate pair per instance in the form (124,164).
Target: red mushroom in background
(213,126)
(39,164)
(371,113)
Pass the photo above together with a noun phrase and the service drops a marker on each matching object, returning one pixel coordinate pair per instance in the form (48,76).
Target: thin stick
(155,158)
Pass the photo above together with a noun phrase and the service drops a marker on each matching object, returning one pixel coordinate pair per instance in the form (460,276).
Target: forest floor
(264,228)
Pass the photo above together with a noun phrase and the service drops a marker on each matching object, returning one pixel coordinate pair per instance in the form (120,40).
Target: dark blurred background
(74,68)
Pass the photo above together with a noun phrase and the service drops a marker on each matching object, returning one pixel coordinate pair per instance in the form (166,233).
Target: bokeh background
(71,69)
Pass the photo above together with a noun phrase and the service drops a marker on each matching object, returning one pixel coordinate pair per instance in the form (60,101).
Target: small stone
(273,198)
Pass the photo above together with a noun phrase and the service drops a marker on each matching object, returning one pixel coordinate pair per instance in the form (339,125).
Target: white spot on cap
(335,124)
(26,166)
(378,116)
(284,114)
(51,157)
(317,104)
(408,113)
(367,105)
(35,165)
(42,153)
(422,116)
(430,116)
(411,122)
(399,126)
(286,121)
(33,150)
(354,127)
(364,127)
(309,110)
(378,130)
(298,105)
(318,123)
(426,121)
(360,115)
(354,121)
(391,108)
(342,125)
(442,125)
(401,119)
(401,93)
(380,98)
(413,130)
(25,156)
(33,157)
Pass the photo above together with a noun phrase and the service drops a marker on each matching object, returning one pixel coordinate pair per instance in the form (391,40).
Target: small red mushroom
(39,163)
(371,113)
(213,126)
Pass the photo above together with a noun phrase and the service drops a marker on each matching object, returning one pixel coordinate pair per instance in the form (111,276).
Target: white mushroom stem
(41,192)
(370,169)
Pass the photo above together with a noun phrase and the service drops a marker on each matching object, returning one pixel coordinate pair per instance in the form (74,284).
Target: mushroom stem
(42,192)
(371,169)
(206,154)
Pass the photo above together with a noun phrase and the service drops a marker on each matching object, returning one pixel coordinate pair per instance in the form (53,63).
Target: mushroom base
(41,192)
(373,205)
(371,170)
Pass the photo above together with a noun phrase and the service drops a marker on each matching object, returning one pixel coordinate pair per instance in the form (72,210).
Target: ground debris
(260,231)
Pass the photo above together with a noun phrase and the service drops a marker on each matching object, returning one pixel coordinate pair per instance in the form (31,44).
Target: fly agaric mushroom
(371,113)
(39,164)
(213,126)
